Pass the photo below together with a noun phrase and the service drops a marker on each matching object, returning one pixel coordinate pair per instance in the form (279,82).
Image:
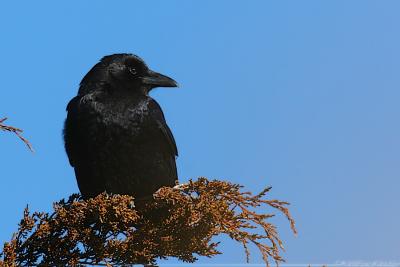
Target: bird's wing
(158,115)
(80,126)
(168,136)
(70,131)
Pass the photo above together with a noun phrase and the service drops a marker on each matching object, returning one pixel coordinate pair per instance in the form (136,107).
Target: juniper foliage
(117,230)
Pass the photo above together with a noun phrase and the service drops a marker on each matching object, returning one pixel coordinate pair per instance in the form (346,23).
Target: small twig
(17,132)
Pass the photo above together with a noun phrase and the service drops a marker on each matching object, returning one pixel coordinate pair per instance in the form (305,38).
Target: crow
(116,136)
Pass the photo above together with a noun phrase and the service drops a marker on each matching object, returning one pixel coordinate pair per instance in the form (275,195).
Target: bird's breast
(125,113)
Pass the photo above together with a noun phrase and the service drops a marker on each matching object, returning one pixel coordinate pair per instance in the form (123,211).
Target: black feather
(116,136)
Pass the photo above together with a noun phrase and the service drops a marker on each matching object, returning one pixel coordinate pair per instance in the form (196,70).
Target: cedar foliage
(176,222)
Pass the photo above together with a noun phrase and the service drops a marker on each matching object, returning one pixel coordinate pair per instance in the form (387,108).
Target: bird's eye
(133,71)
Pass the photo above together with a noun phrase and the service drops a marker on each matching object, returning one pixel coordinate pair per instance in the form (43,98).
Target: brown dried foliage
(16,131)
(177,222)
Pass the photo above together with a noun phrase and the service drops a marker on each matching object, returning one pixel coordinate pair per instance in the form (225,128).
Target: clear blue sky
(300,95)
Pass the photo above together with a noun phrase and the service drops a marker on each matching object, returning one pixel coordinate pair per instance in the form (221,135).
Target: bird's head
(125,72)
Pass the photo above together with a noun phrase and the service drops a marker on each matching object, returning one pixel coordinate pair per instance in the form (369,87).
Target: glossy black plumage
(116,136)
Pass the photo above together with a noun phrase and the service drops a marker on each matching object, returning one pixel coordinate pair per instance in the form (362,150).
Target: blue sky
(299,95)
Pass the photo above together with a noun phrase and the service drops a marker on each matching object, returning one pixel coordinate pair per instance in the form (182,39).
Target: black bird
(115,134)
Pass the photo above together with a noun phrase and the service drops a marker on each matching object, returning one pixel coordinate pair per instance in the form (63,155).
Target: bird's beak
(154,79)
